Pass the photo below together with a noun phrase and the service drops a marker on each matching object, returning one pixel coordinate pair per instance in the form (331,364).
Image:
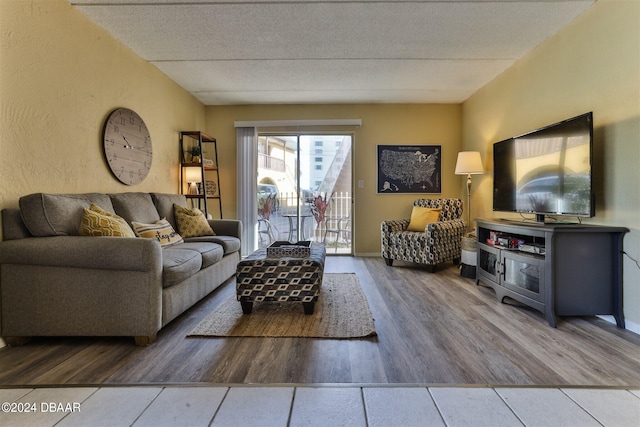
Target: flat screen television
(547,171)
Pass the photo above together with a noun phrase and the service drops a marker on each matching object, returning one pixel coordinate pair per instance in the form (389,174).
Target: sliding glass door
(305,189)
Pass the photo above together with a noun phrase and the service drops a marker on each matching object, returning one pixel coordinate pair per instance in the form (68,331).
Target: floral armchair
(439,242)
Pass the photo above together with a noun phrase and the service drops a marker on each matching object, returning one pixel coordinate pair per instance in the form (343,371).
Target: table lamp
(193,176)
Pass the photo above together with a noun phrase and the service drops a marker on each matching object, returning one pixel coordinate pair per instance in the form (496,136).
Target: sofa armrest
(111,253)
(81,286)
(12,225)
(394,225)
(453,229)
(226,227)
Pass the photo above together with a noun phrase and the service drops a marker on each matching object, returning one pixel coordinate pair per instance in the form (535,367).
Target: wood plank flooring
(432,329)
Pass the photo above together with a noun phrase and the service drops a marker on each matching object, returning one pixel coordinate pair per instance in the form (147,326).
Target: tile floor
(319,405)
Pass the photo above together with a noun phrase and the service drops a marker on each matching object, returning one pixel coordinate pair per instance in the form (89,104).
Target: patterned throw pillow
(191,222)
(98,222)
(161,230)
(420,217)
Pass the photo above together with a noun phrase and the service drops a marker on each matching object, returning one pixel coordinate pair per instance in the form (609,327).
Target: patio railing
(334,231)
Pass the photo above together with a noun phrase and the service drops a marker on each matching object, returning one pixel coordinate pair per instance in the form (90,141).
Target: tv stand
(566,270)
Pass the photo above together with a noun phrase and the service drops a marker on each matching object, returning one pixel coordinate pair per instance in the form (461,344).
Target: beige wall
(592,65)
(381,124)
(60,76)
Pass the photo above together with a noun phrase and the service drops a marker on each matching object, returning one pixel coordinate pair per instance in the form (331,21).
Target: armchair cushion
(420,217)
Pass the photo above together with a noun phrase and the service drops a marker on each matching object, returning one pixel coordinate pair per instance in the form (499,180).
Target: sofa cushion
(191,222)
(160,230)
(229,244)
(420,217)
(210,252)
(98,222)
(135,207)
(164,205)
(58,214)
(179,264)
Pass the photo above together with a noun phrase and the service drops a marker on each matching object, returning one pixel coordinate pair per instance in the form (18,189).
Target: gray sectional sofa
(55,282)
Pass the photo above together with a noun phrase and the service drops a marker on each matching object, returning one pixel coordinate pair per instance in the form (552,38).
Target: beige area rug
(341,312)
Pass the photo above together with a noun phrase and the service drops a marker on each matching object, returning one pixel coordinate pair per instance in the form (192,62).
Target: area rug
(341,312)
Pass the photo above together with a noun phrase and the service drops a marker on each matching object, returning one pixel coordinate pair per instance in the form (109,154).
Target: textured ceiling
(331,51)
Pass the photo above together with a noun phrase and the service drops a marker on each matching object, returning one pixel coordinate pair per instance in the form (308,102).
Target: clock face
(127,146)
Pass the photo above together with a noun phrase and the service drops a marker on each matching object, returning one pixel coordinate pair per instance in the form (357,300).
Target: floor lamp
(469,163)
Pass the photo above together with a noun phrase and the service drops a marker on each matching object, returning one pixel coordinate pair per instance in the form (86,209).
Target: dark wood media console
(574,269)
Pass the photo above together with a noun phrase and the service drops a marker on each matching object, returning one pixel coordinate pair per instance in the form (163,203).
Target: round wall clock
(127,146)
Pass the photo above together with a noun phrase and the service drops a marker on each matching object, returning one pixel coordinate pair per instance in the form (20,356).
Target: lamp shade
(193,175)
(469,163)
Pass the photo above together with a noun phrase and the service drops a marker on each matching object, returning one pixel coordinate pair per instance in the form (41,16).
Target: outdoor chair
(338,225)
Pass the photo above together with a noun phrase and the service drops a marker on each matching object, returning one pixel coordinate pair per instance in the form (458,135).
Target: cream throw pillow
(98,222)
(420,217)
(161,230)
(191,222)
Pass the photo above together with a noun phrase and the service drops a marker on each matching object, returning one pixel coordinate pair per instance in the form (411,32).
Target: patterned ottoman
(259,278)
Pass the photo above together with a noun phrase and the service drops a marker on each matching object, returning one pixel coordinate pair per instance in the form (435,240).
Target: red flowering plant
(265,206)
(319,207)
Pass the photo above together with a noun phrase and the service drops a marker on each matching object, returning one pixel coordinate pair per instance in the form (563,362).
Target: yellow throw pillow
(98,222)
(98,209)
(420,217)
(191,222)
(161,230)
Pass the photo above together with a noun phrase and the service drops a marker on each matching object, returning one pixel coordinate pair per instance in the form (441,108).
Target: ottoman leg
(308,307)
(247,306)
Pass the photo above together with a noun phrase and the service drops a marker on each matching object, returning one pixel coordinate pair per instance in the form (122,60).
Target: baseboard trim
(629,326)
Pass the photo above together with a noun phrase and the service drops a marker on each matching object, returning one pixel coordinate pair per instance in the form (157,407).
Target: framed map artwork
(406,169)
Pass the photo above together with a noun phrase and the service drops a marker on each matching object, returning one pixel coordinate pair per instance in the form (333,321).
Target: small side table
(468,259)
